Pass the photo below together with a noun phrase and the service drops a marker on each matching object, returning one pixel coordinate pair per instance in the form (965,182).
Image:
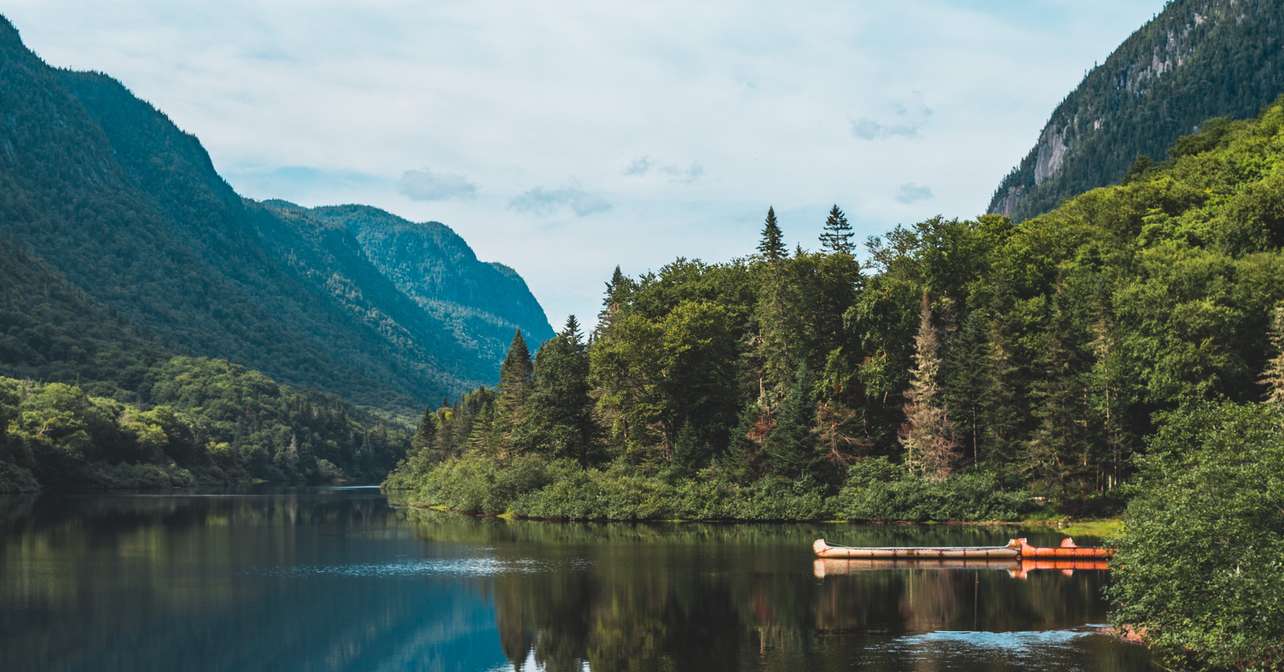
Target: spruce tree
(1273,377)
(1000,403)
(743,459)
(771,245)
(837,234)
(422,441)
(927,435)
(790,446)
(1058,409)
(511,412)
(1109,383)
(963,364)
(560,408)
(617,294)
(775,342)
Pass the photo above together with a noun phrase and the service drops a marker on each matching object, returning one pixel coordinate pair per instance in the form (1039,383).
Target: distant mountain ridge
(483,303)
(1197,59)
(122,215)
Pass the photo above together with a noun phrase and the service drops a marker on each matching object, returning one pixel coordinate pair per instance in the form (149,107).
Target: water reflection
(742,598)
(339,580)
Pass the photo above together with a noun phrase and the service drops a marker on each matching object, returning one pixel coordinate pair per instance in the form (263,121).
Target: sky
(565,138)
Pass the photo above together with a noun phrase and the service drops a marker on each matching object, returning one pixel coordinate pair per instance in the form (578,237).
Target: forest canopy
(969,368)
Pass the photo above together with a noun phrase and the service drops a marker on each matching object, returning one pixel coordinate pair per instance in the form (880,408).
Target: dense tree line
(204,422)
(1036,357)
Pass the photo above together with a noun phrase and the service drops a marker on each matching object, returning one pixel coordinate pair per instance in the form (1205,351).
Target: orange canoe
(1068,550)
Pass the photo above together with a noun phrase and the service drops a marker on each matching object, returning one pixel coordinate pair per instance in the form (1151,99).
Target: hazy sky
(563,138)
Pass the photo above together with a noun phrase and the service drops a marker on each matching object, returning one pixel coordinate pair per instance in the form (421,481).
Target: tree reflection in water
(745,597)
(321,580)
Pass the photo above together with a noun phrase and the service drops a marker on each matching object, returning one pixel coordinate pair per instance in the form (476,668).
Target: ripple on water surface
(436,567)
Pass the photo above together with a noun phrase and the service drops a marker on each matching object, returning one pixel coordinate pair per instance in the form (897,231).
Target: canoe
(1016,568)
(1068,550)
(1015,548)
(824,550)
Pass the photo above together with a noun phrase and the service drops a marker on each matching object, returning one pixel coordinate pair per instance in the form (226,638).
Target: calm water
(341,580)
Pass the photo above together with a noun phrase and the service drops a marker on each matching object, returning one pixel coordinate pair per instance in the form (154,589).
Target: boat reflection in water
(1016,568)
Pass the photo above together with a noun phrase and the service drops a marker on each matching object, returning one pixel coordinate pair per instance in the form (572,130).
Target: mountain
(481,302)
(123,246)
(1195,61)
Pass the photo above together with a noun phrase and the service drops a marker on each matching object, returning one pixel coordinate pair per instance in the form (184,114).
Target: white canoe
(824,550)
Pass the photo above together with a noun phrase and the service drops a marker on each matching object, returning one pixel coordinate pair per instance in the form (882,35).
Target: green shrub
(138,476)
(876,489)
(1200,569)
(480,484)
(15,479)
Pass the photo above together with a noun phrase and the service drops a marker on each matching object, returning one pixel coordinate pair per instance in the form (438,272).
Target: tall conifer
(837,234)
(560,407)
(514,389)
(927,434)
(771,245)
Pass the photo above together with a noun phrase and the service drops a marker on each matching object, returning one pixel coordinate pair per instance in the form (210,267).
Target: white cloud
(732,106)
(913,193)
(674,173)
(543,201)
(426,185)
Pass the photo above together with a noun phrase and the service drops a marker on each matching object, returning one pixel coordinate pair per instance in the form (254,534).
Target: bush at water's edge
(1200,569)
(15,479)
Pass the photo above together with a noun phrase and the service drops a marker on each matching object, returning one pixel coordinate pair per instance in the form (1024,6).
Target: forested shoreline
(198,422)
(1025,364)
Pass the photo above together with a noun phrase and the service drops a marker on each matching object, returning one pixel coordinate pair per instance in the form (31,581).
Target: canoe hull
(1016,548)
(1016,568)
(824,550)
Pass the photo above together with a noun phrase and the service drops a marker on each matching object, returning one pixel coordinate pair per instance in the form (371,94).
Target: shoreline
(1088,527)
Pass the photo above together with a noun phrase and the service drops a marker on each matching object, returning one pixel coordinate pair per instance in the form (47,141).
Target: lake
(340,579)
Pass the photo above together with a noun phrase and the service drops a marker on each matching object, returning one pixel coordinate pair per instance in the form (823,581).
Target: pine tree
(963,365)
(771,246)
(560,408)
(1060,411)
(837,234)
(511,411)
(617,294)
(790,446)
(425,434)
(1000,403)
(927,434)
(743,459)
(1108,383)
(775,342)
(1273,377)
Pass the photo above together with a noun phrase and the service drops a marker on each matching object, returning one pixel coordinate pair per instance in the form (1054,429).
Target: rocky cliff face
(1197,59)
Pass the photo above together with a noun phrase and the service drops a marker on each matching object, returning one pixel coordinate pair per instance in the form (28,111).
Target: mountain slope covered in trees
(1196,60)
(102,192)
(481,304)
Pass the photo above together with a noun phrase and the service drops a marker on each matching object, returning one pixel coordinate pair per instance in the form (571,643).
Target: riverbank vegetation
(1200,570)
(964,369)
(204,422)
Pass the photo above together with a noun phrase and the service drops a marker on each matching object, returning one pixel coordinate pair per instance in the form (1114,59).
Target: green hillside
(103,191)
(1196,60)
